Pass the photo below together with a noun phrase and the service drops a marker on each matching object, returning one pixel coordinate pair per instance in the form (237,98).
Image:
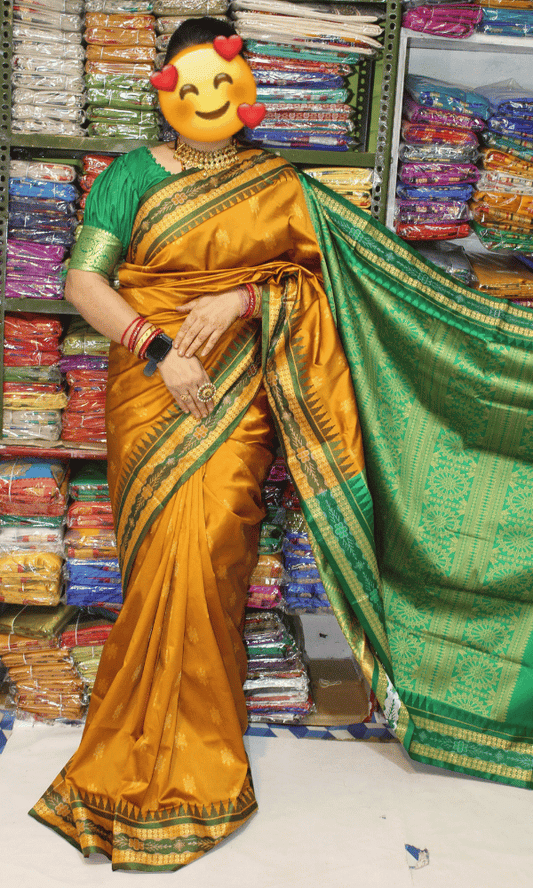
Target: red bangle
(134,335)
(251,301)
(135,321)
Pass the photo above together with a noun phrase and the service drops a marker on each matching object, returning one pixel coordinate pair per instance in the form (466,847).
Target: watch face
(159,348)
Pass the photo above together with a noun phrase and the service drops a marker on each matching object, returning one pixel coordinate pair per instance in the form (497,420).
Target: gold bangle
(143,337)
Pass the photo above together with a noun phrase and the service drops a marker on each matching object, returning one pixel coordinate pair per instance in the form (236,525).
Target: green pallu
(443,380)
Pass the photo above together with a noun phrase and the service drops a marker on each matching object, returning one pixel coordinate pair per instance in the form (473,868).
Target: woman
(161,774)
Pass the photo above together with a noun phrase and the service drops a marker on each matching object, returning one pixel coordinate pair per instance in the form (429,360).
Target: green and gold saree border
(175,448)
(380,256)
(167,212)
(151,841)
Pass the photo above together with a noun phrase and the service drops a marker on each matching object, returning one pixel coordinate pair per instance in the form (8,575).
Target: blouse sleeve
(108,220)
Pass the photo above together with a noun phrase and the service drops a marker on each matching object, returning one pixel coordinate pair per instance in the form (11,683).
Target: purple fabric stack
(457,20)
(34,271)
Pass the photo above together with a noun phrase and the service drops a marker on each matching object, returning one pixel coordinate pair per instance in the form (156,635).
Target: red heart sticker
(165,79)
(228,47)
(251,115)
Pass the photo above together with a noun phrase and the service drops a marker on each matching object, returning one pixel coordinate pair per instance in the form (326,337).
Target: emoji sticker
(207,92)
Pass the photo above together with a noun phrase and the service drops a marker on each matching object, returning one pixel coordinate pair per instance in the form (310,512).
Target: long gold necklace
(208,161)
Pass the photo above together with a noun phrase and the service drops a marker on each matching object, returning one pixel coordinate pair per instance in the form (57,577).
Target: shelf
(476,43)
(9,449)
(42,306)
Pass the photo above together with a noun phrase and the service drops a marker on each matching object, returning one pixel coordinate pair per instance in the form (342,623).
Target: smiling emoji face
(205,103)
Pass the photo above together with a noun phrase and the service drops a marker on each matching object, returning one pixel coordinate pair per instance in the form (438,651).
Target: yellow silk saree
(426,552)
(161,774)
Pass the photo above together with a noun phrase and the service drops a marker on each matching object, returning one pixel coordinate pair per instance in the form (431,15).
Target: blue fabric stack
(302,56)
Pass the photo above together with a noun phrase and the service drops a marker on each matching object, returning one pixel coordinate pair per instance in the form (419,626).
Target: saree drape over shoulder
(426,553)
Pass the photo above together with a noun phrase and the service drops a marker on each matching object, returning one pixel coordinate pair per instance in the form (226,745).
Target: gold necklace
(208,161)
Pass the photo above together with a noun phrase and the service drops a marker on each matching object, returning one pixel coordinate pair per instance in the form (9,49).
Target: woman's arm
(105,310)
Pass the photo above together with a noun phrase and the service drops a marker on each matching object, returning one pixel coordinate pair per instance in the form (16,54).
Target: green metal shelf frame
(374,88)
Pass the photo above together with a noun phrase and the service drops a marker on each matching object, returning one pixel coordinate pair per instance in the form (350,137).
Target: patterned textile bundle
(120,57)
(507,22)
(33,504)
(48,91)
(277,685)
(45,684)
(444,19)
(502,204)
(302,56)
(84,638)
(42,211)
(85,354)
(33,393)
(353,183)
(438,149)
(34,271)
(92,569)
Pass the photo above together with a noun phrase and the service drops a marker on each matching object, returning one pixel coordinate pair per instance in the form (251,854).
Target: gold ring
(206,392)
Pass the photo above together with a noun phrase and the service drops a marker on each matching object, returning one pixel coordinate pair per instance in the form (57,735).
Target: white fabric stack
(48,88)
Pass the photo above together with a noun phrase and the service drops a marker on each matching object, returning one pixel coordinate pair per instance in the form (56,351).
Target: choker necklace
(208,161)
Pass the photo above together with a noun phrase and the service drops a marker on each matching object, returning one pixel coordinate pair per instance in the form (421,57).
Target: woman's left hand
(208,318)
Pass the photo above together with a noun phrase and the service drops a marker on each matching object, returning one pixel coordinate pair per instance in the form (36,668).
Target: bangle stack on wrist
(249,300)
(141,334)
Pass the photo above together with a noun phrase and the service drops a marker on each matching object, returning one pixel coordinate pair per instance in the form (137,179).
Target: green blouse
(111,208)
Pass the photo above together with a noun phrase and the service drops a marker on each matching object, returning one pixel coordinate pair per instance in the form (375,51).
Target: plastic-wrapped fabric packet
(91,514)
(121,98)
(33,487)
(417,113)
(502,276)
(501,240)
(47,82)
(99,53)
(45,66)
(446,153)
(64,51)
(507,22)
(18,395)
(91,542)
(119,7)
(434,93)
(41,113)
(511,126)
(438,192)
(121,72)
(82,339)
(34,425)
(520,148)
(432,231)
(419,211)
(500,180)
(443,19)
(30,577)
(449,258)
(433,134)
(108,129)
(42,170)
(128,20)
(89,482)
(38,33)
(50,18)
(437,174)
(507,97)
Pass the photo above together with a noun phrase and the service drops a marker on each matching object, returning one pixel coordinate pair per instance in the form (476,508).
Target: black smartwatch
(156,351)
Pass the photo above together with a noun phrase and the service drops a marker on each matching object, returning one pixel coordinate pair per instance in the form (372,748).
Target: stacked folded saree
(120,57)
(277,686)
(355,184)
(441,122)
(48,90)
(33,391)
(502,205)
(84,362)
(506,22)
(92,571)
(302,56)
(33,270)
(46,685)
(457,20)
(84,638)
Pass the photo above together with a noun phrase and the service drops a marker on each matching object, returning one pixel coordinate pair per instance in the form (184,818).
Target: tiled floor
(333,814)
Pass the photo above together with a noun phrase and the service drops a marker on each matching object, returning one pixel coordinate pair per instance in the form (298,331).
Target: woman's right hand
(183,377)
